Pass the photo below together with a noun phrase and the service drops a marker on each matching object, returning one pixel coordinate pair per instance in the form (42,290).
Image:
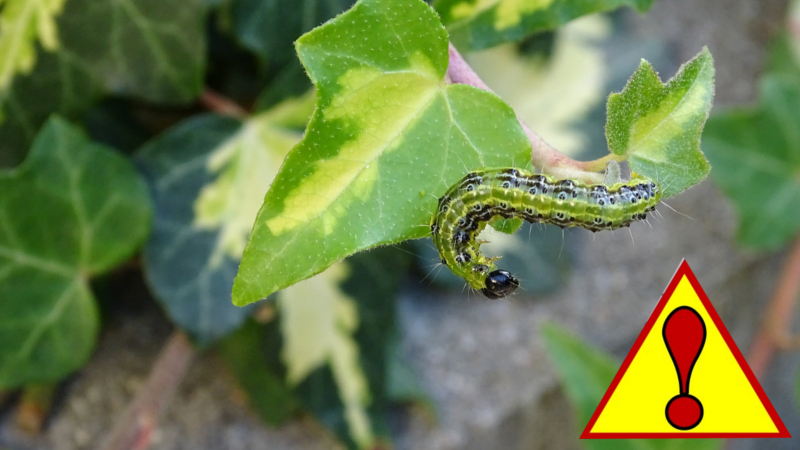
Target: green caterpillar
(471,203)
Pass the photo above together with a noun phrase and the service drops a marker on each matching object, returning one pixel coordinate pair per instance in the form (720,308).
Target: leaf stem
(220,104)
(134,428)
(542,155)
(774,333)
(34,407)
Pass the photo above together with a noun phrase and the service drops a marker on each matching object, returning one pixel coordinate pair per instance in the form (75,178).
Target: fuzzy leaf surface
(386,127)
(657,126)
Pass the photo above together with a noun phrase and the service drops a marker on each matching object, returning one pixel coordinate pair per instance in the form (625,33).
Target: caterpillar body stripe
(466,208)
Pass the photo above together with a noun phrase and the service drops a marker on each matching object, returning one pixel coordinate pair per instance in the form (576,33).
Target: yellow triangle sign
(684,377)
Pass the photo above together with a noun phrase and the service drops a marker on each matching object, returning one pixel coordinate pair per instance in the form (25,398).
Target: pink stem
(134,428)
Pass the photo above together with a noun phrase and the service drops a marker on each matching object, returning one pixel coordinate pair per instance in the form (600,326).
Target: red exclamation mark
(685,334)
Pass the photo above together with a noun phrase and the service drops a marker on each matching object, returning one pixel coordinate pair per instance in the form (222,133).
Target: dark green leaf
(208,177)
(262,379)
(269,28)
(756,158)
(330,391)
(354,181)
(145,49)
(73,209)
(657,126)
(479,24)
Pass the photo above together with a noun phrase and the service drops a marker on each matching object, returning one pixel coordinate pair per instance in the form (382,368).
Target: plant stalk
(218,103)
(542,155)
(134,428)
(775,331)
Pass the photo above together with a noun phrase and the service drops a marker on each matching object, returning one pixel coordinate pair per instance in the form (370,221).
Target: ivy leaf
(756,156)
(507,226)
(73,209)
(24,23)
(386,127)
(586,373)
(247,353)
(345,376)
(375,308)
(208,178)
(318,322)
(657,126)
(269,29)
(480,24)
(148,50)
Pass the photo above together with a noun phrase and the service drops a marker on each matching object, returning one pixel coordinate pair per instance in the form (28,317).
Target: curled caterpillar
(470,204)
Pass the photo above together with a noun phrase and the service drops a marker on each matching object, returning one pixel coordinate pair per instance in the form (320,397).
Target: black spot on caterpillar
(466,208)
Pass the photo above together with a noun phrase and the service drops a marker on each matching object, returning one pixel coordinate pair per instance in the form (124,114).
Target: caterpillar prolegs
(471,203)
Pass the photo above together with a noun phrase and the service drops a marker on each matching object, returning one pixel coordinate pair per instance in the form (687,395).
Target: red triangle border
(685,270)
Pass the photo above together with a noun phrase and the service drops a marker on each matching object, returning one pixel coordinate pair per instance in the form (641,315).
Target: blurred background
(192,125)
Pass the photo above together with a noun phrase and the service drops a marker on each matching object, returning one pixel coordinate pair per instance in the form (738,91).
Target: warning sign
(684,377)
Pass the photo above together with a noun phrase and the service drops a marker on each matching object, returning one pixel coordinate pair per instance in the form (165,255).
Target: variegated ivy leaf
(556,92)
(23,23)
(72,210)
(208,177)
(386,127)
(144,49)
(479,24)
(657,126)
(318,322)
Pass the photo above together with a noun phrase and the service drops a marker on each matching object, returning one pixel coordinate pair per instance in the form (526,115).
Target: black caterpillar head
(499,284)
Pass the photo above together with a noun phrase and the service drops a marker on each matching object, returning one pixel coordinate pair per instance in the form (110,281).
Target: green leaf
(153,51)
(386,127)
(247,353)
(479,24)
(256,351)
(318,323)
(586,373)
(657,126)
(270,28)
(73,209)
(558,91)
(507,226)
(375,305)
(23,24)
(208,178)
(756,157)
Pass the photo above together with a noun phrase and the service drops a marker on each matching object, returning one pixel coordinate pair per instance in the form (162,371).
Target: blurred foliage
(586,372)
(385,136)
(74,209)
(330,345)
(480,24)
(208,176)
(151,51)
(755,152)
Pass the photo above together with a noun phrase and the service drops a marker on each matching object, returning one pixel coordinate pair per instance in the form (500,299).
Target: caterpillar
(466,208)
